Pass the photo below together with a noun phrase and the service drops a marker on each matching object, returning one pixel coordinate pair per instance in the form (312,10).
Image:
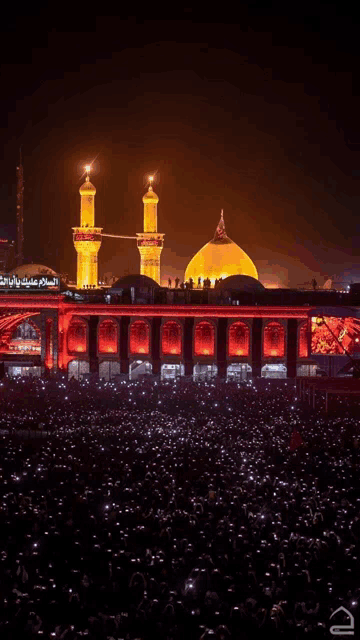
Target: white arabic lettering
(43,282)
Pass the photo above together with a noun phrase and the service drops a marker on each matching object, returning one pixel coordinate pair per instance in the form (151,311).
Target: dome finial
(150,196)
(87,189)
(220,233)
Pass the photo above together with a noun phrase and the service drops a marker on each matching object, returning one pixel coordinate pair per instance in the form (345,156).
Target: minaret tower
(150,243)
(87,238)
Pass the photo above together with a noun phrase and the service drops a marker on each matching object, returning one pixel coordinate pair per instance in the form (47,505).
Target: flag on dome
(220,233)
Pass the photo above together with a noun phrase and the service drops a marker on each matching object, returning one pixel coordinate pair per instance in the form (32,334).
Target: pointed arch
(140,337)
(274,340)
(171,334)
(77,335)
(108,336)
(204,344)
(238,339)
(9,322)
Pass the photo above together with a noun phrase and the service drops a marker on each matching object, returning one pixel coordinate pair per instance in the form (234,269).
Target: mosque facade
(235,330)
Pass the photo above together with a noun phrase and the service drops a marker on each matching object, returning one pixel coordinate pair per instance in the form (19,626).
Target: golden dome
(87,189)
(220,258)
(150,197)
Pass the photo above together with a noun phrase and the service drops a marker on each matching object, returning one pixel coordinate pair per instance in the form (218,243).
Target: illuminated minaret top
(87,237)
(150,243)
(150,200)
(87,192)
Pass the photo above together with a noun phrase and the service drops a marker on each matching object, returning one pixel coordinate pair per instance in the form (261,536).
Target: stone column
(93,344)
(188,346)
(155,345)
(292,347)
(49,341)
(124,344)
(43,316)
(55,330)
(63,322)
(256,347)
(221,347)
(309,336)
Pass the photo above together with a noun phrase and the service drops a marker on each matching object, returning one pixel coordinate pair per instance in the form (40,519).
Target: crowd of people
(175,510)
(202,283)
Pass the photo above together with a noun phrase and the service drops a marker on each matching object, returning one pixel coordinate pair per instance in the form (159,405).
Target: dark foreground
(172,512)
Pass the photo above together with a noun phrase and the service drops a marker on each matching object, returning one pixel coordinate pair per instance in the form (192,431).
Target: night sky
(255,112)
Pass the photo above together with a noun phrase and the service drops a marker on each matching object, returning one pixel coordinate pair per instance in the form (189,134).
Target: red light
(171,338)
(43,301)
(49,347)
(108,335)
(274,340)
(238,339)
(140,337)
(303,341)
(204,339)
(77,335)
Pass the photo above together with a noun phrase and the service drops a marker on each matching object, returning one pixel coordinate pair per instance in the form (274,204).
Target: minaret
(150,243)
(87,238)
